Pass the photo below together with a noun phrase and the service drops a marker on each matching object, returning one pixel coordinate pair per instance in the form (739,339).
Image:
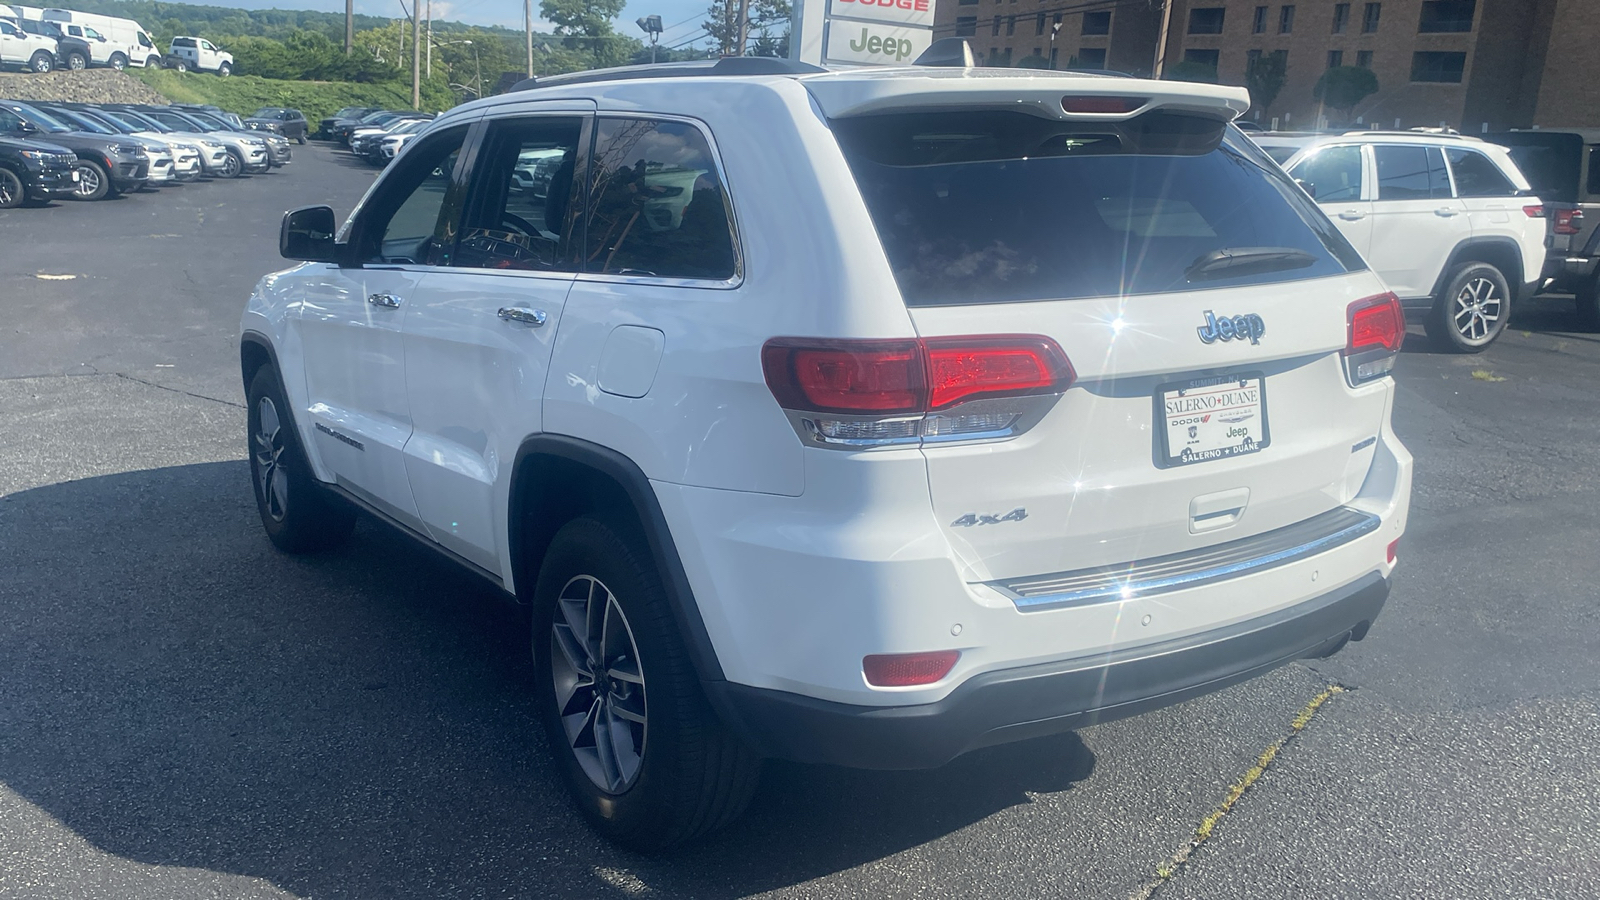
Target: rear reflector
(908,669)
(1377,329)
(1102,105)
(1394,549)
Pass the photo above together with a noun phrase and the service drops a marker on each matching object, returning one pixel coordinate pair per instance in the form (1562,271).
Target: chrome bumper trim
(1181,571)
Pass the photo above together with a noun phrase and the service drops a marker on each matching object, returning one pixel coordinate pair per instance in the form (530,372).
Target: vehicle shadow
(357,723)
(1544,314)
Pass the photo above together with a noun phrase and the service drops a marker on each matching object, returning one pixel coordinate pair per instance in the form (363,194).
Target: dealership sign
(862,32)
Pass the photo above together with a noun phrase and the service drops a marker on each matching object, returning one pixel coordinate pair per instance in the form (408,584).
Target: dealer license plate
(1211,418)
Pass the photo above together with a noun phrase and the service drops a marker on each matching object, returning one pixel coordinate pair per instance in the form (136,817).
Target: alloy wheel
(599,686)
(77,63)
(9,194)
(267,444)
(42,64)
(88,182)
(230,166)
(1478,307)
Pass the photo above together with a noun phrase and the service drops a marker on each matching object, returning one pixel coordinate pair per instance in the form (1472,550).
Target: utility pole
(527,25)
(744,27)
(349,26)
(429,32)
(416,58)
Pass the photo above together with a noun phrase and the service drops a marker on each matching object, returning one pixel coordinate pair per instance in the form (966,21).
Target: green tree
(1191,70)
(1264,78)
(1342,87)
(585,28)
(722,24)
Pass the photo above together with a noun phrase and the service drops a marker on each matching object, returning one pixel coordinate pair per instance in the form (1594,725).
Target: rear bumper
(1014,704)
(1564,272)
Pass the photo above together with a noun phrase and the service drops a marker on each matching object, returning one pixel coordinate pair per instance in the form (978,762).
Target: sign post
(861,32)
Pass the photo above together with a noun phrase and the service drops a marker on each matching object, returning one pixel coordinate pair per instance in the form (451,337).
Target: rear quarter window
(1000,207)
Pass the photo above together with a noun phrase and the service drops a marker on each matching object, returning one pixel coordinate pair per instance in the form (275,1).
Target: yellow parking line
(1177,861)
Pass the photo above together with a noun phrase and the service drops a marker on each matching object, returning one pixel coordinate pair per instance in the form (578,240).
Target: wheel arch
(255,351)
(1501,252)
(555,479)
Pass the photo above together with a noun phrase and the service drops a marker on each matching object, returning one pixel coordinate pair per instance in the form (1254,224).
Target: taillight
(1377,329)
(867,393)
(908,669)
(1533,212)
(1568,221)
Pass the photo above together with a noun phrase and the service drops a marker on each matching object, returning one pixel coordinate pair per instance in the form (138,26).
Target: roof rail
(1414,132)
(725,67)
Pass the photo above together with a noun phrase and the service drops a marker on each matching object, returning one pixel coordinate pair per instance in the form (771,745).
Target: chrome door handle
(1352,215)
(387,301)
(1444,211)
(523,315)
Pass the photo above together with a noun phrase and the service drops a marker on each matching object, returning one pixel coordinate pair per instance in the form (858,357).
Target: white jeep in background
(1448,222)
(199,54)
(33,52)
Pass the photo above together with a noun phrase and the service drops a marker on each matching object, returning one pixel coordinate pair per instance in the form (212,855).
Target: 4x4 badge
(1242,327)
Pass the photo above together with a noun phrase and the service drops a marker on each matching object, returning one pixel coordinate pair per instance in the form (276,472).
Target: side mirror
(307,235)
(27,128)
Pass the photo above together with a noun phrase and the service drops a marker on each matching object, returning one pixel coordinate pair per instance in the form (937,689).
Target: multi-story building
(1468,64)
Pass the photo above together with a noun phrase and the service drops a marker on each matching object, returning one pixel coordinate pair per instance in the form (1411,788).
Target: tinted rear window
(1002,207)
(1549,160)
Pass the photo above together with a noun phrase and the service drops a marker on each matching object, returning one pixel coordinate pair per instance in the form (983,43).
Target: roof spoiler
(949,53)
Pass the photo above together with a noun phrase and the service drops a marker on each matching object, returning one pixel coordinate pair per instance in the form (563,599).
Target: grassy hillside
(244,94)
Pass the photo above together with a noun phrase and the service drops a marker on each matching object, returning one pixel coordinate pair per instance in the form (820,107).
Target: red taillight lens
(1394,549)
(908,669)
(1102,105)
(1568,221)
(1376,322)
(863,376)
(910,376)
(961,369)
(1533,212)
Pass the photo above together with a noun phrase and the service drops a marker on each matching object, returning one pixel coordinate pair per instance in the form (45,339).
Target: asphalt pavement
(186,713)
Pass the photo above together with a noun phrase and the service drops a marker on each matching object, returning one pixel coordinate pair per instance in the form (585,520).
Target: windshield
(40,120)
(84,122)
(267,113)
(126,120)
(143,122)
(209,123)
(999,207)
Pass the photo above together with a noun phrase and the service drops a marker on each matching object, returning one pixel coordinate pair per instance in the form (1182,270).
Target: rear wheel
(77,61)
(1471,311)
(180,66)
(645,758)
(93,181)
(12,193)
(300,515)
(301,139)
(41,62)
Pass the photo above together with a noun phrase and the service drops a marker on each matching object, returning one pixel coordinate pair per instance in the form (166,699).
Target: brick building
(1506,63)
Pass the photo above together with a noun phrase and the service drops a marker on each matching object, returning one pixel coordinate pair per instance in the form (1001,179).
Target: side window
(402,216)
(519,212)
(206,45)
(1477,176)
(1593,185)
(1334,174)
(10,121)
(657,206)
(7,30)
(1411,173)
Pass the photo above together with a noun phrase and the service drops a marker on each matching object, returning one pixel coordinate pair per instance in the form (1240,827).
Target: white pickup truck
(198,54)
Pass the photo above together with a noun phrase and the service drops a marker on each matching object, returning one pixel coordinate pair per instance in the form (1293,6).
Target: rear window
(1549,160)
(1003,207)
(183,42)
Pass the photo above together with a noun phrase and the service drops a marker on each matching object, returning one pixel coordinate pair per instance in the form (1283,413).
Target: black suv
(107,164)
(291,123)
(1563,165)
(349,113)
(34,172)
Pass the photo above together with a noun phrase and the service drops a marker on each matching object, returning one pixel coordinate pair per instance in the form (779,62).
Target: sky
(683,17)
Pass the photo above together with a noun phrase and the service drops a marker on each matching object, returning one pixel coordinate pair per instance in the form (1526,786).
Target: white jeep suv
(852,417)
(1448,222)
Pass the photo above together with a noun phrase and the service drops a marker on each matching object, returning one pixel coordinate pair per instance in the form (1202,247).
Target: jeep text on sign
(905,12)
(860,42)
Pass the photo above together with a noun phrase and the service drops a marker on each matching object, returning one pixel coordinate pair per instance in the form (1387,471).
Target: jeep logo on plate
(1248,327)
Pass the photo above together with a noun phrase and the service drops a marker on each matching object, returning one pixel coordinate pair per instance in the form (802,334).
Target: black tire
(12,193)
(224,70)
(233,166)
(77,62)
(690,774)
(301,139)
(180,66)
(94,182)
(1471,311)
(1587,298)
(41,62)
(299,514)
(118,61)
